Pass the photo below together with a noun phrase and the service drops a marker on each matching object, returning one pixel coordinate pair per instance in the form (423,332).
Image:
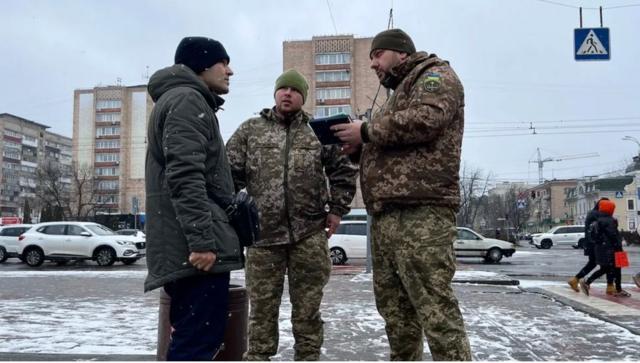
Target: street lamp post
(632,139)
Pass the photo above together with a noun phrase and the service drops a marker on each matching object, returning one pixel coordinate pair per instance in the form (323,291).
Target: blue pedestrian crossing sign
(591,44)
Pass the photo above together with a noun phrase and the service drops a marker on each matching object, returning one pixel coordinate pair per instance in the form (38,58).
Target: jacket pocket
(229,249)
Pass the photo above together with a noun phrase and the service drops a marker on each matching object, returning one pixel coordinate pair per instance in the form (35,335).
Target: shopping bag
(621,259)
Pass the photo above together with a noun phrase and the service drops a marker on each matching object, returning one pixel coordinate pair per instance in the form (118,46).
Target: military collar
(399,72)
(271,114)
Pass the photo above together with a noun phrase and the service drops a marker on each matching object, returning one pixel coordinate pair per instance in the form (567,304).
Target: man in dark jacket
(589,249)
(409,171)
(191,246)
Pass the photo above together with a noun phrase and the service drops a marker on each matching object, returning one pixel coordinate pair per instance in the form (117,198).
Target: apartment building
(26,145)
(547,204)
(337,68)
(620,189)
(340,80)
(109,139)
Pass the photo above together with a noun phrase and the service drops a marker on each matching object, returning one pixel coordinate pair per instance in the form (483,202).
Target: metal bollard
(235,334)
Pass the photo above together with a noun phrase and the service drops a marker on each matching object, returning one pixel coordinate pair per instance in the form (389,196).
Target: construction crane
(541,161)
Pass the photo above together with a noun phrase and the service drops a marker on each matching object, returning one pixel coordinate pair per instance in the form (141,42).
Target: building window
(12,133)
(106,158)
(324,111)
(108,144)
(108,185)
(109,171)
(108,117)
(107,199)
(333,76)
(631,204)
(13,145)
(333,93)
(108,104)
(11,155)
(107,131)
(333,58)
(632,225)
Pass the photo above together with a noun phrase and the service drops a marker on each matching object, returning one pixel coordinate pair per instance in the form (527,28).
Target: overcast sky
(514,57)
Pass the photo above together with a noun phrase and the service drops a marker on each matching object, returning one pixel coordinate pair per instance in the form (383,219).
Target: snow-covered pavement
(503,322)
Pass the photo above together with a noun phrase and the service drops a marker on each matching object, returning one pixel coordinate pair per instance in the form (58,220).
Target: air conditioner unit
(321,100)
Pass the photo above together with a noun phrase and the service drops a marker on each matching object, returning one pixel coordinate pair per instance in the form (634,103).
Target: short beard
(390,80)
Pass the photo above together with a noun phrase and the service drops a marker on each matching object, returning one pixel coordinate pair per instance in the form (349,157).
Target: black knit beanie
(200,53)
(394,39)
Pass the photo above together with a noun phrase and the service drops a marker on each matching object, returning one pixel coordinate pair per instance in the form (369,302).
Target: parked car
(470,243)
(350,241)
(9,240)
(132,232)
(66,241)
(560,235)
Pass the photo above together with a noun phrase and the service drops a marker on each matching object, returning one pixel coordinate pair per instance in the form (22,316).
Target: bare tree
(70,190)
(503,210)
(473,192)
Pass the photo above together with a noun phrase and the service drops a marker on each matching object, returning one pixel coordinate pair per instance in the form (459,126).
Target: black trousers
(198,316)
(606,269)
(590,265)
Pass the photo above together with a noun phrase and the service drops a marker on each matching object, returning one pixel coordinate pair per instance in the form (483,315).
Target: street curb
(75,357)
(503,282)
(580,307)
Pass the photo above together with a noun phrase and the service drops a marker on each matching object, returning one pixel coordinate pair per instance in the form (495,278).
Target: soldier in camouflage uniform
(410,158)
(280,161)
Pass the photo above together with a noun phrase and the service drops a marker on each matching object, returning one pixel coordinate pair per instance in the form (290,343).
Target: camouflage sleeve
(237,154)
(434,101)
(342,175)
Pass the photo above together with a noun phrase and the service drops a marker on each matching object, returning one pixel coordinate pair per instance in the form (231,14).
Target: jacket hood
(179,75)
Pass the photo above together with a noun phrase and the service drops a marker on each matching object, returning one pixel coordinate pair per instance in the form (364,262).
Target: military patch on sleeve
(431,82)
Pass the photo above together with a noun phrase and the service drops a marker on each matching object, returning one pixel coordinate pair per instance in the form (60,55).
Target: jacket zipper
(285,182)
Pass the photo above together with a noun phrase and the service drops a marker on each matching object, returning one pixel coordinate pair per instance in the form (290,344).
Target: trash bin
(235,334)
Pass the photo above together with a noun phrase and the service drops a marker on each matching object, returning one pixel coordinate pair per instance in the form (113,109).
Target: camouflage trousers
(413,265)
(308,266)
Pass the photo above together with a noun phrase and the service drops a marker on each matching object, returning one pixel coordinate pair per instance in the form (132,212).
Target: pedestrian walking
(607,241)
(301,187)
(410,161)
(589,249)
(191,247)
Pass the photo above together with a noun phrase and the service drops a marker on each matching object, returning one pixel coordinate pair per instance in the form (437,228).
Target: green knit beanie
(295,80)
(394,39)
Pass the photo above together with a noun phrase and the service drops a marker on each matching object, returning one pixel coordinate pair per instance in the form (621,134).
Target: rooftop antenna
(145,75)
(119,82)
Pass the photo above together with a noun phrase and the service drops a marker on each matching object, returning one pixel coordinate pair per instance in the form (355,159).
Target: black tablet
(322,127)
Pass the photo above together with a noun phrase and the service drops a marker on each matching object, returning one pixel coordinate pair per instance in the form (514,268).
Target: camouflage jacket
(286,169)
(412,156)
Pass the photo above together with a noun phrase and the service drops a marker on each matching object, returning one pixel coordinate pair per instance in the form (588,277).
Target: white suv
(65,241)
(560,235)
(9,240)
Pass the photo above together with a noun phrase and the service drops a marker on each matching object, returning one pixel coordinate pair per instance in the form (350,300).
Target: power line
(332,20)
(588,8)
(566,127)
(559,121)
(555,133)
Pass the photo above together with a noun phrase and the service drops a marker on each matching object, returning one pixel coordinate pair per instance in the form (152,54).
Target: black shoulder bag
(243,217)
